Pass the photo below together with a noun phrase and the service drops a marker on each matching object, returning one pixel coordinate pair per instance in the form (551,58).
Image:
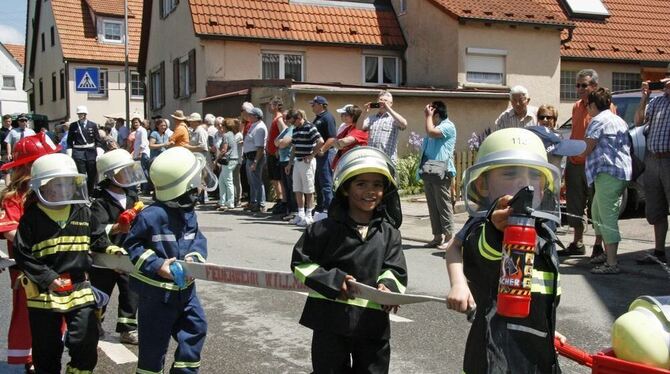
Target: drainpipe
(569,38)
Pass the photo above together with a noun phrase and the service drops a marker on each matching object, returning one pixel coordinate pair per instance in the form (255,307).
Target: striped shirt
(304,139)
(508,118)
(612,152)
(657,116)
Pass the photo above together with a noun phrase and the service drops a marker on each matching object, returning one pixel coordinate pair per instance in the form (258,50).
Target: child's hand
(344,291)
(561,338)
(387,308)
(460,298)
(501,213)
(188,277)
(164,271)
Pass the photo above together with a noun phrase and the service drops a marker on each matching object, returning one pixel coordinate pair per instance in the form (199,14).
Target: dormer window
(112,31)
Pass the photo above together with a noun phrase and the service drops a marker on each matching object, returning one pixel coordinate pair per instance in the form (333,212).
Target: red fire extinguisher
(518,254)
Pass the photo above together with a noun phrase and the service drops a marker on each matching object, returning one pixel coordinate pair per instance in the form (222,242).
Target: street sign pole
(127,92)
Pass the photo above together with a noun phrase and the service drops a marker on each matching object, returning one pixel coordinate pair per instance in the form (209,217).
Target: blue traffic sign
(86,79)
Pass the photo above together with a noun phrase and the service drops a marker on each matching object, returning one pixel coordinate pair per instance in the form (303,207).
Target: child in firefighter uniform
(358,241)
(118,174)
(508,160)
(51,248)
(162,233)
(24,152)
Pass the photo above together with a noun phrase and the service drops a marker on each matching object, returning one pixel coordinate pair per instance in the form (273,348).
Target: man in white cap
(82,140)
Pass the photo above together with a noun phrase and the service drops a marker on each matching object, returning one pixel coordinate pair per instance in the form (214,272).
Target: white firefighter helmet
(119,167)
(56,181)
(642,334)
(175,172)
(209,179)
(521,159)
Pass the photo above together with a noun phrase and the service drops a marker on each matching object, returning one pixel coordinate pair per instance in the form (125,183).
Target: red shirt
(12,210)
(360,136)
(247,126)
(274,132)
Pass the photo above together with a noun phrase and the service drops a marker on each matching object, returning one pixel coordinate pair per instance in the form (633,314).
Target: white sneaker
(319,216)
(305,222)
(295,220)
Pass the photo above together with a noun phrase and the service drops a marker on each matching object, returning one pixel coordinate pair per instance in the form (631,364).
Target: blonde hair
(18,184)
(548,108)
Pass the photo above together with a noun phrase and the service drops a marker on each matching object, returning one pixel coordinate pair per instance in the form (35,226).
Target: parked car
(626,103)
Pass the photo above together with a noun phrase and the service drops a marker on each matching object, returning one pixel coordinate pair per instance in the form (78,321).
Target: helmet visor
(486,182)
(63,191)
(130,175)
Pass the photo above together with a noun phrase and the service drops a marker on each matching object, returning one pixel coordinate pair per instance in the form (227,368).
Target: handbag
(434,170)
(223,160)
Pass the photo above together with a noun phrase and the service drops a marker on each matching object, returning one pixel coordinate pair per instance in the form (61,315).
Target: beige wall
(533,57)
(604,71)
(432,43)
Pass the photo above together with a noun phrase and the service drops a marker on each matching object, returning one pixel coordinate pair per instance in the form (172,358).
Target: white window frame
(168,7)
(402,8)
(104,31)
(282,63)
(156,89)
(625,81)
(493,55)
(567,90)
(380,70)
(184,82)
(6,87)
(103,85)
(136,85)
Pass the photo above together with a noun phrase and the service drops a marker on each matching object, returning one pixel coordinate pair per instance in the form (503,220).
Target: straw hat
(178,114)
(194,117)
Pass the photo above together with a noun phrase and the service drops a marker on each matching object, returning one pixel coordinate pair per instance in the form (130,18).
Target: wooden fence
(462,161)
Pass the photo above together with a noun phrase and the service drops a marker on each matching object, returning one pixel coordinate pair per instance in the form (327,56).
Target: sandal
(650,259)
(606,269)
(599,259)
(574,249)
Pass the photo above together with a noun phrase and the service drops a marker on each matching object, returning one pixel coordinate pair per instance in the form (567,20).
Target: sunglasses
(581,85)
(545,117)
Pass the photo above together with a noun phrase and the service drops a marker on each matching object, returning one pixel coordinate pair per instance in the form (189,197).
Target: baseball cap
(555,145)
(22,117)
(319,100)
(344,108)
(247,107)
(256,112)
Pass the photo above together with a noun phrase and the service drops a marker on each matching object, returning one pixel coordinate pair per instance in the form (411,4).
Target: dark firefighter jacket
(44,251)
(332,248)
(499,344)
(106,210)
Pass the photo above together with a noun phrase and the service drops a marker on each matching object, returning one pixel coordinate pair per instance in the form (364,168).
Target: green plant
(407,167)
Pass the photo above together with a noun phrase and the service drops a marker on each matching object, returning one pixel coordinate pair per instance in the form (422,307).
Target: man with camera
(656,115)
(385,125)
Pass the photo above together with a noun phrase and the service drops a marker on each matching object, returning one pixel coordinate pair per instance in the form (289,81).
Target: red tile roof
(78,35)
(107,8)
(636,30)
(18,51)
(285,20)
(508,11)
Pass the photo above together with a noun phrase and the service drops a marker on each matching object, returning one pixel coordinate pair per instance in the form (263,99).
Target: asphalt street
(256,331)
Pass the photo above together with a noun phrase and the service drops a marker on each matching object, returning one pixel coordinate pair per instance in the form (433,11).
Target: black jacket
(106,210)
(499,344)
(77,139)
(332,248)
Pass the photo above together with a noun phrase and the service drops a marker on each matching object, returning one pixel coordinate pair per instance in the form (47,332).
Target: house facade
(64,35)
(12,97)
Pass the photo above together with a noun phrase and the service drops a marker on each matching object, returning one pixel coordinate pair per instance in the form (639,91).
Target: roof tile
(528,11)
(18,51)
(376,27)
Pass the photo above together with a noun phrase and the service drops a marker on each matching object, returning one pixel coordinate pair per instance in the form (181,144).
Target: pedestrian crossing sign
(86,79)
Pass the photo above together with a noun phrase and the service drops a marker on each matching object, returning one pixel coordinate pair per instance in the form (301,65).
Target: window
(281,66)
(42,37)
(53,36)
(136,85)
(403,7)
(626,81)
(157,87)
(112,31)
(568,82)
(183,75)
(102,85)
(8,82)
(485,66)
(381,70)
(62,83)
(167,7)
(53,86)
(41,86)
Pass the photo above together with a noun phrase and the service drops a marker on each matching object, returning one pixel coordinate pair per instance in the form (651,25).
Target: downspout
(569,38)
(67,92)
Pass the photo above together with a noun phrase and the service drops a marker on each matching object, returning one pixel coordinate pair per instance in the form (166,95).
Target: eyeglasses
(581,85)
(542,118)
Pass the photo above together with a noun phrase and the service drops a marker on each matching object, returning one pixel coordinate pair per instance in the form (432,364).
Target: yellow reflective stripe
(196,254)
(71,370)
(60,240)
(166,285)
(185,364)
(388,274)
(64,303)
(131,321)
(112,249)
(61,248)
(144,256)
(302,271)
(357,301)
(142,371)
(486,250)
(543,283)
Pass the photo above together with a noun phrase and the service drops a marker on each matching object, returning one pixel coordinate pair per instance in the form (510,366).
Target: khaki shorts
(303,176)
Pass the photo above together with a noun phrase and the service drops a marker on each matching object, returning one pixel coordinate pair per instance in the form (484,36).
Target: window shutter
(150,94)
(191,72)
(175,78)
(162,70)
